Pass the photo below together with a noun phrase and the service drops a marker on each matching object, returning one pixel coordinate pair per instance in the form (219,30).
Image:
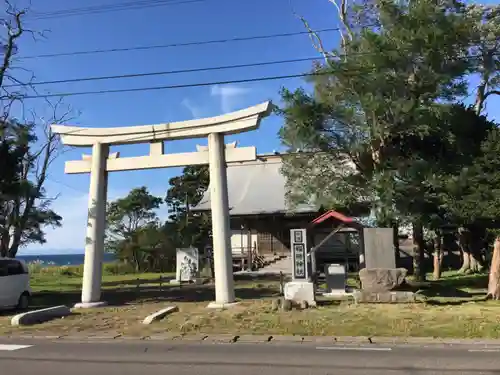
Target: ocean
(61,259)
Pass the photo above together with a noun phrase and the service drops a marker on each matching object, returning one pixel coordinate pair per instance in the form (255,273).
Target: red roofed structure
(337,243)
(337,216)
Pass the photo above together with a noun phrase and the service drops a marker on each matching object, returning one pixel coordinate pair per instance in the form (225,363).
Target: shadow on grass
(259,277)
(457,302)
(475,281)
(124,296)
(330,302)
(157,281)
(455,290)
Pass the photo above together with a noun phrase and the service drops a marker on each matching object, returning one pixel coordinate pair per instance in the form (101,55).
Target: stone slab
(160,314)
(298,291)
(384,297)
(40,316)
(379,248)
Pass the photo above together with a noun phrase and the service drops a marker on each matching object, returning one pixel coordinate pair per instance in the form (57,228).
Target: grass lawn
(60,283)
(452,307)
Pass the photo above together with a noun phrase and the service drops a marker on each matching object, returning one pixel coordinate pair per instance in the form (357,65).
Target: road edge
(255,339)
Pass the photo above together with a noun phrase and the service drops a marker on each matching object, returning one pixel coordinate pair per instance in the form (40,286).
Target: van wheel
(24,301)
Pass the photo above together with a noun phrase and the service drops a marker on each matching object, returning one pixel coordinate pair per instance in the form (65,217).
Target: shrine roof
(256,187)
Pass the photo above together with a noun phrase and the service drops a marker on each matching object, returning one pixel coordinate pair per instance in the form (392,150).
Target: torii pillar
(217,156)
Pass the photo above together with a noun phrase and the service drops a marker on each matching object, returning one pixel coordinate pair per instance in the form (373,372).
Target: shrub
(118,268)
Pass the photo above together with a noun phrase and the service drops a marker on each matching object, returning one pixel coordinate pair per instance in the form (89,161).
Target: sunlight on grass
(453,307)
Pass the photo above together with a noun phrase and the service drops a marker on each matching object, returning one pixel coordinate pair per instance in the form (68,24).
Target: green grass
(451,307)
(58,283)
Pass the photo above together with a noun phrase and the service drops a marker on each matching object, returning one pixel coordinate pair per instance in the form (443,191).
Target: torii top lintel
(230,123)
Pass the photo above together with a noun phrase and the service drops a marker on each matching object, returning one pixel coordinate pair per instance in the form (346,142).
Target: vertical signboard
(298,240)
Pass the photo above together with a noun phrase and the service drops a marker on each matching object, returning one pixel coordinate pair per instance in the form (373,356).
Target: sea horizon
(30,252)
(63,259)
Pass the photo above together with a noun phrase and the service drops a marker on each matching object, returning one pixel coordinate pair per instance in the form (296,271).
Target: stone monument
(187,265)
(301,288)
(383,285)
(378,248)
(336,280)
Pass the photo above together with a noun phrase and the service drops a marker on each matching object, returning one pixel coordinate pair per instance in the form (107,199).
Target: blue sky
(198,21)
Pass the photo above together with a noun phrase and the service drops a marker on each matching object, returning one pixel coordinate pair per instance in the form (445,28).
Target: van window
(14,267)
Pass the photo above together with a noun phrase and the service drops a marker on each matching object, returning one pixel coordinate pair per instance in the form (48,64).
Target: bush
(115,268)
(39,268)
(35,268)
(63,270)
(118,268)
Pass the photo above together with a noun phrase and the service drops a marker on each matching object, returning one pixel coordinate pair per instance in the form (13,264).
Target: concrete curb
(40,316)
(159,315)
(277,339)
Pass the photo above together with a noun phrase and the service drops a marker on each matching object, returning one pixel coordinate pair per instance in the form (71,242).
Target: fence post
(282,288)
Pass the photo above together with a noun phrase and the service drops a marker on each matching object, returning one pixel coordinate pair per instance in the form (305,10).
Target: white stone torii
(216,155)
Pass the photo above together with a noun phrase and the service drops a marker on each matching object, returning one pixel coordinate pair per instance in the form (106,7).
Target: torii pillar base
(90,305)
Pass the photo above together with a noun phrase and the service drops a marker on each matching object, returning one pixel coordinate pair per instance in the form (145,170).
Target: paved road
(18,357)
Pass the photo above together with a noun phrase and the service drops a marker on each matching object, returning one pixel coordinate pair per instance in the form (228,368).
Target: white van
(15,291)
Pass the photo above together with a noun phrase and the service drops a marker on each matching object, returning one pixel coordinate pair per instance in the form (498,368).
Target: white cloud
(195,110)
(230,96)
(73,206)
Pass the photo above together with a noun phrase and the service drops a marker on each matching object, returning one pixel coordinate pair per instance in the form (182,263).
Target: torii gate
(216,155)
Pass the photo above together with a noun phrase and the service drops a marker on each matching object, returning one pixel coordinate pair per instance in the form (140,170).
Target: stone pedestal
(382,279)
(335,279)
(362,296)
(299,291)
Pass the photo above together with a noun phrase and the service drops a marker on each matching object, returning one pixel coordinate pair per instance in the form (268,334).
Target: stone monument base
(361,296)
(195,281)
(299,291)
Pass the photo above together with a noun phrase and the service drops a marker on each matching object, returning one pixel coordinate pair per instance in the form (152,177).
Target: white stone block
(40,316)
(298,291)
(160,314)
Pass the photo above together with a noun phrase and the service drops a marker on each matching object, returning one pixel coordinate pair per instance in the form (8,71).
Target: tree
(186,190)
(384,84)
(129,220)
(26,211)
(27,148)
(486,47)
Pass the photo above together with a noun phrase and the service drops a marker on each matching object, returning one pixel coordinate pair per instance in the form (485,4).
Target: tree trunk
(438,257)
(418,252)
(395,230)
(472,261)
(494,279)
(463,244)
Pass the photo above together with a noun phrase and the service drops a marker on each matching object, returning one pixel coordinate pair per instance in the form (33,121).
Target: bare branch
(316,40)
(342,12)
